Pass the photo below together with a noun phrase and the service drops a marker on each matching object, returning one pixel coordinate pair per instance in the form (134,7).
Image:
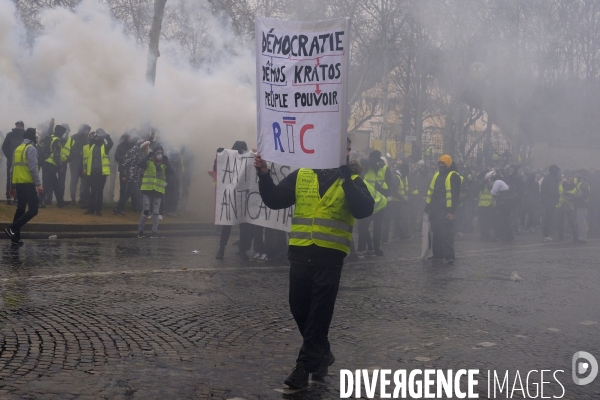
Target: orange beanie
(446,159)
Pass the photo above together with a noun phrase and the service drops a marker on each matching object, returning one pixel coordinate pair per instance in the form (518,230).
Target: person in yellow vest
(52,167)
(486,208)
(65,158)
(565,209)
(96,167)
(382,179)
(327,202)
(442,200)
(156,166)
(25,184)
(582,201)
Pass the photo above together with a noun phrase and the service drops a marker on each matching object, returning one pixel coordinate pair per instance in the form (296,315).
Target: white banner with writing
(302,91)
(237,197)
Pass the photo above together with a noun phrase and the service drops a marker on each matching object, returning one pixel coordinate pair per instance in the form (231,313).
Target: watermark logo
(580,367)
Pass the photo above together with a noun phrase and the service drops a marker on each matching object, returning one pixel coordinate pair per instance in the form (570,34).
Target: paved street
(149,319)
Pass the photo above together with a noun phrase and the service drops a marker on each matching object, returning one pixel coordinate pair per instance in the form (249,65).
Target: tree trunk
(153,53)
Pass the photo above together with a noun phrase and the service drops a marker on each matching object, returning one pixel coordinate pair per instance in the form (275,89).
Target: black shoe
(326,362)
(141,234)
(241,255)
(298,379)
(11,234)
(16,243)
(88,212)
(63,204)
(153,235)
(117,212)
(220,253)
(379,253)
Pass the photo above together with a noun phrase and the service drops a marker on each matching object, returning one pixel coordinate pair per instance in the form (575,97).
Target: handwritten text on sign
(302,71)
(238,199)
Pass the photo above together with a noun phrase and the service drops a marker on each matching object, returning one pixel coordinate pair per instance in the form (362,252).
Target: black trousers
(503,225)
(245,236)
(8,179)
(442,230)
(547,219)
(364,237)
(75,171)
(313,290)
(51,184)
(84,191)
(27,198)
(97,183)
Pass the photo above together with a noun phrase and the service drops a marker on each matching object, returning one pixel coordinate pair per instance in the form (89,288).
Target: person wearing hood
(156,166)
(442,200)
(96,167)
(77,141)
(26,186)
(246,230)
(549,197)
(12,140)
(125,144)
(52,167)
(327,202)
(133,178)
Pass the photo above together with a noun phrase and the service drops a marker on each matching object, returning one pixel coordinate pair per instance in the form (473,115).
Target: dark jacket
(122,149)
(438,197)
(549,190)
(13,140)
(283,195)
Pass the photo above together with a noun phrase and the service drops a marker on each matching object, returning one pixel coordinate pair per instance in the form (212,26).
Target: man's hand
(13,193)
(260,165)
(450,216)
(40,189)
(346,173)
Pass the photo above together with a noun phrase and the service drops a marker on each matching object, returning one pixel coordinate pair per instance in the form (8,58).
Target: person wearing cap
(327,202)
(96,167)
(51,168)
(25,184)
(156,166)
(12,140)
(442,199)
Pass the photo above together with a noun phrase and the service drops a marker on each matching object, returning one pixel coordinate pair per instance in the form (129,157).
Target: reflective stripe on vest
(448,187)
(65,152)
(485,198)
(380,200)
(50,159)
(564,199)
(324,221)
(21,173)
(153,181)
(88,159)
(372,178)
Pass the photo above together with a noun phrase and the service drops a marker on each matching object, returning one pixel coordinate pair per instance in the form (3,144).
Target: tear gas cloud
(83,69)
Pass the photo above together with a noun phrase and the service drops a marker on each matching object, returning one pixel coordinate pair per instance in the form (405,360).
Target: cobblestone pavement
(149,319)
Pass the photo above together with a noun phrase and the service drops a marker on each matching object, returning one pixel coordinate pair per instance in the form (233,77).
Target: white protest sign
(302,91)
(237,197)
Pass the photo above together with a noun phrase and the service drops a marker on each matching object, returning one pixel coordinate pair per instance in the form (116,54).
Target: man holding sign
(327,201)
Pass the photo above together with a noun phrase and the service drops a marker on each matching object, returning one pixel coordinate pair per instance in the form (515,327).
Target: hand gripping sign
(301,89)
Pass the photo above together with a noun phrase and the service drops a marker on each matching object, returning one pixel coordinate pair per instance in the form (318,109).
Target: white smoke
(83,69)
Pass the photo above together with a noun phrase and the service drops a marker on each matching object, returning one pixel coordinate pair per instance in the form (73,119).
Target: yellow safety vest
(380,200)
(564,199)
(324,221)
(153,181)
(371,178)
(50,159)
(485,198)
(21,173)
(65,152)
(88,151)
(448,188)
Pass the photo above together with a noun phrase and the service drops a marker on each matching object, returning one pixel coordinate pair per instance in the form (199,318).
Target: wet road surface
(149,319)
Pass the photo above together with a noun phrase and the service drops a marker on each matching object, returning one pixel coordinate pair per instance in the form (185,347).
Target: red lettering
(302,132)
